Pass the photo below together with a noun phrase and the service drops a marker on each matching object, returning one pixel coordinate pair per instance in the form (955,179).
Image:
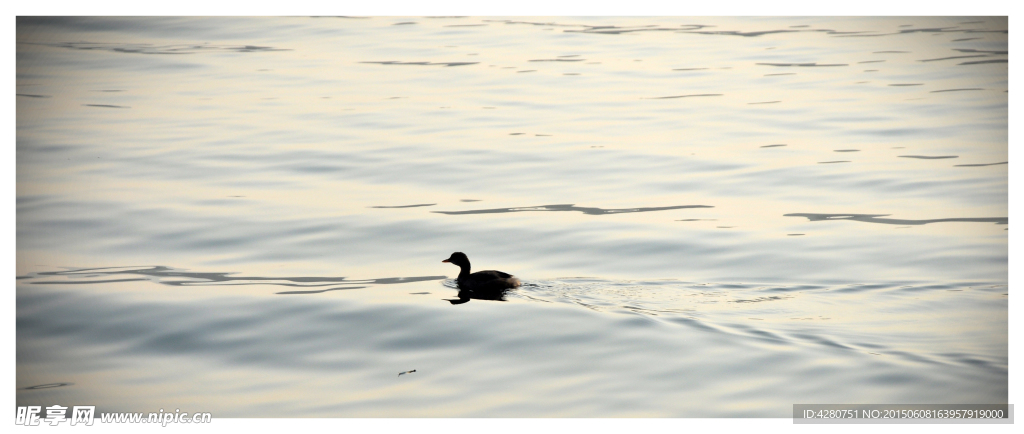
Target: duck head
(458,258)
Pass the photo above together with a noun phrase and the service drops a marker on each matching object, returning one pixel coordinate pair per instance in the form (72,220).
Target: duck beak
(446,261)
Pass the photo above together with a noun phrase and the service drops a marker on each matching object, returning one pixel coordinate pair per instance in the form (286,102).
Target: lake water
(712,217)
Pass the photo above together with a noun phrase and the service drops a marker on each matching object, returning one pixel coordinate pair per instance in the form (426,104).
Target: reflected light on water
(771,210)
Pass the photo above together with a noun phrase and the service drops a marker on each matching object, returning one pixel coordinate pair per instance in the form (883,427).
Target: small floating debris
(846,150)
(33,96)
(795,235)
(832,162)
(105,106)
(772,146)
(406,372)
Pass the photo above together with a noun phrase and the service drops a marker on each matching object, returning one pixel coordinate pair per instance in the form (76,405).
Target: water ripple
(570,207)
(174,277)
(874,218)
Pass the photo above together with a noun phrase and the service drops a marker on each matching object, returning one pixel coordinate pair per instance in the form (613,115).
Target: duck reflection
(465,295)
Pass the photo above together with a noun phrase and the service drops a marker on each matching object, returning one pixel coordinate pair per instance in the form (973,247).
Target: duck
(481,283)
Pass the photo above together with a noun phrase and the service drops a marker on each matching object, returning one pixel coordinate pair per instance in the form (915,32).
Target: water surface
(712,217)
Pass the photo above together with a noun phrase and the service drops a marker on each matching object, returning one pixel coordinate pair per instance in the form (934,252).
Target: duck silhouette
(483,285)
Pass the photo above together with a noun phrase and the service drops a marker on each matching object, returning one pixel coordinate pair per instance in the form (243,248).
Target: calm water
(711,216)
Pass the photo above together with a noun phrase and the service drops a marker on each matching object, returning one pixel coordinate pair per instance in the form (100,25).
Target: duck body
(487,281)
(482,283)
